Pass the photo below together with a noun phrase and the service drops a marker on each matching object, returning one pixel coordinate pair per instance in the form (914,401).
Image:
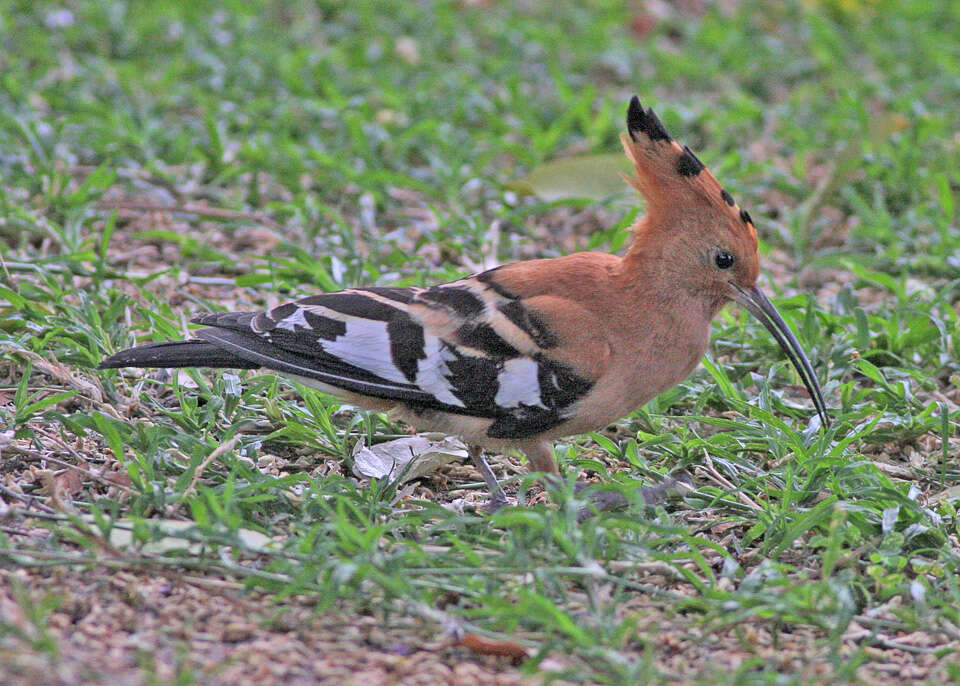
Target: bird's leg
(497,497)
(540,456)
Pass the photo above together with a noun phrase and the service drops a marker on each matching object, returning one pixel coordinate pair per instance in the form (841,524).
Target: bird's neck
(649,271)
(660,286)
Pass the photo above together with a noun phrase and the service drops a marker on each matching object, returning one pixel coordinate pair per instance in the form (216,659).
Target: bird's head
(700,240)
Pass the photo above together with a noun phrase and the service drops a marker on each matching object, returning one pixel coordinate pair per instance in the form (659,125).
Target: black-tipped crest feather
(689,164)
(645,122)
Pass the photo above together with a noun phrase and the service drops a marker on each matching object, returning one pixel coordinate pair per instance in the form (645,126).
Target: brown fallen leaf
(66,482)
(489,646)
(121,485)
(119,478)
(718,529)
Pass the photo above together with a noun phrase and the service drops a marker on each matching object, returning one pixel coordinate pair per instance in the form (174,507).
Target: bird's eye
(724,260)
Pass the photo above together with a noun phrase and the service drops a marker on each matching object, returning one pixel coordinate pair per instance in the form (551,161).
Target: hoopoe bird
(529,352)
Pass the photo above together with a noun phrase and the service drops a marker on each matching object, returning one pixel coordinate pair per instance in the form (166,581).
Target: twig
(212,281)
(890,644)
(217,452)
(91,390)
(454,626)
(128,562)
(128,276)
(86,472)
(654,567)
(29,500)
(204,582)
(720,479)
(6,272)
(949,628)
(18,532)
(199,210)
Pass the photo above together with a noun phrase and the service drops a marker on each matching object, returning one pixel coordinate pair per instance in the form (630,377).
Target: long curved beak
(757,304)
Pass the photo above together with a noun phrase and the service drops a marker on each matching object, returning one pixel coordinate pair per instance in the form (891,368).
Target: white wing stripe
(294,320)
(432,373)
(366,344)
(519,384)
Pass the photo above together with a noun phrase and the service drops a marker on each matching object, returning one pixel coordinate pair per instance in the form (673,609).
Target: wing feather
(467,348)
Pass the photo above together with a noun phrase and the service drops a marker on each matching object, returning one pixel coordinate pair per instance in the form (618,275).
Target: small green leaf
(40,405)
(591,177)
(720,376)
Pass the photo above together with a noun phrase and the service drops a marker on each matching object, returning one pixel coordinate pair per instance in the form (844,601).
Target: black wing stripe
(326,328)
(407,346)
(489,279)
(560,386)
(459,299)
(396,293)
(485,338)
(530,323)
(474,381)
(355,304)
(281,312)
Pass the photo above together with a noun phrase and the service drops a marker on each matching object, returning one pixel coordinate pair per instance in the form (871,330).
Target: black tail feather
(177,354)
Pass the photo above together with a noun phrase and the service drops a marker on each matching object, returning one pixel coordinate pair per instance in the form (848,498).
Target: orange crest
(680,191)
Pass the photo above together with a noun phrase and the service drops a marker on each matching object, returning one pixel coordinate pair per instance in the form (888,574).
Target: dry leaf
(952,493)
(407,458)
(88,387)
(119,478)
(488,646)
(62,485)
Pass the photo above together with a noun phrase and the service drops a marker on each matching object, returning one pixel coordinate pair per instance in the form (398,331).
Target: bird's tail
(177,354)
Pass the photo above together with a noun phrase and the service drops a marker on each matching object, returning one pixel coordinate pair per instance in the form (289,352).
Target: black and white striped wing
(461,348)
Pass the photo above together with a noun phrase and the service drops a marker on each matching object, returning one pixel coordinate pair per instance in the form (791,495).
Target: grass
(159,159)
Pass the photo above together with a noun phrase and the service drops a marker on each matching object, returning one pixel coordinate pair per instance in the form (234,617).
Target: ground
(159,160)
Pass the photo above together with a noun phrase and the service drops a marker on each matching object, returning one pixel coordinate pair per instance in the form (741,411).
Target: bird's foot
(497,501)
(601,501)
(498,498)
(604,501)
